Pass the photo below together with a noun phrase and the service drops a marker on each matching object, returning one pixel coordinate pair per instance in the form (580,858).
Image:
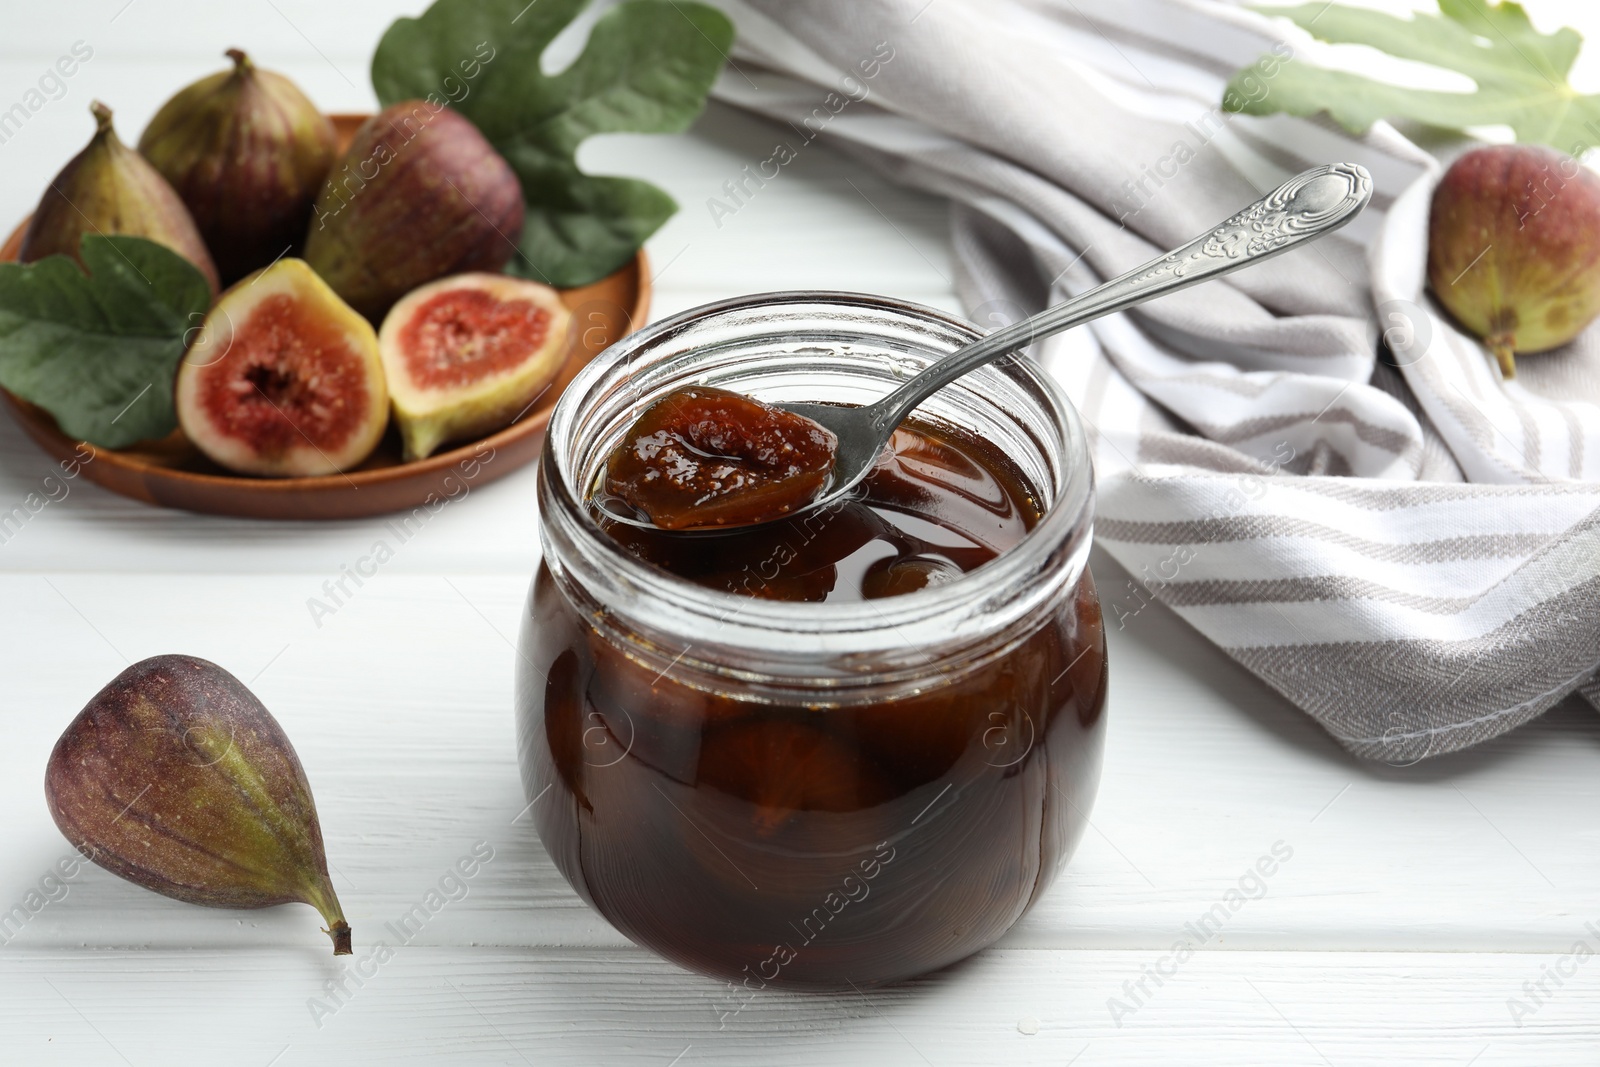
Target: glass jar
(936,753)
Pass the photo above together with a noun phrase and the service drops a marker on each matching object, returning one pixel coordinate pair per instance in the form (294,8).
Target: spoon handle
(1305,207)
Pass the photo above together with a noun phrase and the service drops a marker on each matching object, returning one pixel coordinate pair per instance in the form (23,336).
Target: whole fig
(108,188)
(1514,248)
(420,194)
(176,778)
(247,152)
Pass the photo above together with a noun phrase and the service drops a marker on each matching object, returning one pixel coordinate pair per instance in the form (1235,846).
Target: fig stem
(340,932)
(102,117)
(241,62)
(1503,347)
(322,897)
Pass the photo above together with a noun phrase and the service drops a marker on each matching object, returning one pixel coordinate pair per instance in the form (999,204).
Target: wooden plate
(173,473)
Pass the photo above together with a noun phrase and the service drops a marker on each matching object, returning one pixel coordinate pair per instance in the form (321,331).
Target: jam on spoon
(703,457)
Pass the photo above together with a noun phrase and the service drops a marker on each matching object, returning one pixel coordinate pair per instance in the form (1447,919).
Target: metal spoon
(1307,206)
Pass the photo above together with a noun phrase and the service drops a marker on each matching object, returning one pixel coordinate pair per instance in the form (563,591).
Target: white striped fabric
(1410,550)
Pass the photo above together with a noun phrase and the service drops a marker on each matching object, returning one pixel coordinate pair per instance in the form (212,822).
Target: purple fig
(420,194)
(176,778)
(108,188)
(247,152)
(1514,248)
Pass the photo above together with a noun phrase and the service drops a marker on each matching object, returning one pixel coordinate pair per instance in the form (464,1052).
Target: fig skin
(247,152)
(175,777)
(1514,248)
(420,194)
(108,188)
(283,379)
(429,414)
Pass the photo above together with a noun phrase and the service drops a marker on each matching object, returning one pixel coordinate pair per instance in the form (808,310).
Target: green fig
(108,188)
(247,152)
(420,194)
(176,778)
(1514,248)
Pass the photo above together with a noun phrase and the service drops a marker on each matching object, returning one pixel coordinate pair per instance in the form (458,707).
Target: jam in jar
(847,747)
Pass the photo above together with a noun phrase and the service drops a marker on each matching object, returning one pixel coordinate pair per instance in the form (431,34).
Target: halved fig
(468,355)
(283,378)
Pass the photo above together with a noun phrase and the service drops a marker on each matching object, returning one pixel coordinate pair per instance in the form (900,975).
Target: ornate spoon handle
(1306,206)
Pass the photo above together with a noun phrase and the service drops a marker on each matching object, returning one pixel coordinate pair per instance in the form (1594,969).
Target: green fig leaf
(1521,74)
(99,350)
(647,68)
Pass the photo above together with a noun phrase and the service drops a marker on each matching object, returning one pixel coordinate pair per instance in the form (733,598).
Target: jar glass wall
(812,794)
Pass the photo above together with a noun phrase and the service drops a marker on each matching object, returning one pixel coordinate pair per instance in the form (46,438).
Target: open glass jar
(812,794)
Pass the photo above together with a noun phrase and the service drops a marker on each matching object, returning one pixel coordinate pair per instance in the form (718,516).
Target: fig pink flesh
(288,377)
(464,335)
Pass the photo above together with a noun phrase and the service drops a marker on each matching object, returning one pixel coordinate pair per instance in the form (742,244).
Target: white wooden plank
(152,28)
(607,1006)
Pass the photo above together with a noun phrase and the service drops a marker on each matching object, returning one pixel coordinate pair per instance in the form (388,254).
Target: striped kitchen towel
(1408,548)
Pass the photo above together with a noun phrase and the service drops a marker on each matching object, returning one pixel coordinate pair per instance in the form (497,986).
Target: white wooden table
(1418,902)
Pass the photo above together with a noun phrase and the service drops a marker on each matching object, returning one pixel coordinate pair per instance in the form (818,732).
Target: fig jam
(702,457)
(936,505)
(833,835)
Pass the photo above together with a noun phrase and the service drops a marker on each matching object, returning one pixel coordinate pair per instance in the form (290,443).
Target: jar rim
(573,540)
